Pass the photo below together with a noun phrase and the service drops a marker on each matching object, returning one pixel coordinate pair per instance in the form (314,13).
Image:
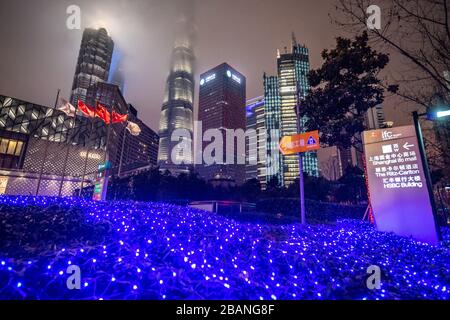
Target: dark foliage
(343,89)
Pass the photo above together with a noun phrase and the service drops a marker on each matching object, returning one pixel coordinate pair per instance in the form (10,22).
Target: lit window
(11,147)
(3,145)
(19,148)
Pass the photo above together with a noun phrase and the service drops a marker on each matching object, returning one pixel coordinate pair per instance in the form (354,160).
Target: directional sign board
(100,187)
(397,185)
(302,142)
(101,182)
(104,166)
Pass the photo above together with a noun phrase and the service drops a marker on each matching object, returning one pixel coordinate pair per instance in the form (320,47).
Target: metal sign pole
(426,170)
(300,167)
(302,189)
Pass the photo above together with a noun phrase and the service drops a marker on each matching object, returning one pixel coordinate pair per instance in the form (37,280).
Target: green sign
(104,166)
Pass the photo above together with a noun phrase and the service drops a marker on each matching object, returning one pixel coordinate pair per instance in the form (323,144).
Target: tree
(250,190)
(316,188)
(273,187)
(352,186)
(343,89)
(419,31)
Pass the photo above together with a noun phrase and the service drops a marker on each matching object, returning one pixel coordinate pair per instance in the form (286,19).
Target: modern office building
(222,106)
(39,143)
(138,151)
(273,132)
(94,61)
(374,118)
(38,150)
(282,94)
(256,149)
(441,130)
(123,148)
(117,70)
(330,164)
(334,161)
(109,96)
(177,109)
(352,156)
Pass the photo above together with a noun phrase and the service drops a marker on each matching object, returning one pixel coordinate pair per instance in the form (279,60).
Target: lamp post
(430,116)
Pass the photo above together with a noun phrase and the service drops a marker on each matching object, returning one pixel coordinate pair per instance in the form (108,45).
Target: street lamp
(431,115)
(441,114)
(437,114)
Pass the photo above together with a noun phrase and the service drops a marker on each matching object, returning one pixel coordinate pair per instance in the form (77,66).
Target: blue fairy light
(181,248)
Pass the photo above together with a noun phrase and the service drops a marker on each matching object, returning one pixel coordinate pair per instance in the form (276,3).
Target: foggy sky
(38,53)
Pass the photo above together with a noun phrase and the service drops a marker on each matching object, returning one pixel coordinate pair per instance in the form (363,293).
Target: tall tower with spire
(177,109)
(282,93)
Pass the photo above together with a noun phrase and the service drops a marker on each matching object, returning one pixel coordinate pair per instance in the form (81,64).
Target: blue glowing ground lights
(128,250)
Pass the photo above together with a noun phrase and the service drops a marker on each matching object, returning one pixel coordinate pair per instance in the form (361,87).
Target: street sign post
(101,182)
(297,144)
(397,184)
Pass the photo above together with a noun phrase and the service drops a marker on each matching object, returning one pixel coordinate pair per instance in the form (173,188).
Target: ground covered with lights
(129,250)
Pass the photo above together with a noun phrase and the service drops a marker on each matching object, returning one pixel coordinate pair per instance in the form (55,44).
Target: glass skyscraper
(256,154)
(94,62)
(282,94)
(177,108)
(272,124)
(221,106)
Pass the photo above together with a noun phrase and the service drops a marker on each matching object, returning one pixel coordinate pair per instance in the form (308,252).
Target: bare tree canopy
(419,30)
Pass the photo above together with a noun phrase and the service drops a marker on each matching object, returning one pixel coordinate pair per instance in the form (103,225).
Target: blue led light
(162,251)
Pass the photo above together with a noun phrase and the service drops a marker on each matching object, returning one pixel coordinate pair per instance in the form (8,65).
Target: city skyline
(232,154)
(145,41)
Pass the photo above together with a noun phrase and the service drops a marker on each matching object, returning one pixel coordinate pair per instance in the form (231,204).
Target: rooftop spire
(294,40)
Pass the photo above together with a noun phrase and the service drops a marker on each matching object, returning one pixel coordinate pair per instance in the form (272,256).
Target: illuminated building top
(177,108)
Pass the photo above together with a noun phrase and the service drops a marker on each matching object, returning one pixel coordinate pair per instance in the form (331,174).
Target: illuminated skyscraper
(272,124)
(282,93)
(221,106)
(117,73)
(94,61)
(177,108)
(256,165)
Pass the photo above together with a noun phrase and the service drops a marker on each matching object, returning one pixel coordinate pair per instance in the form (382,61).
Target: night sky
(38,53)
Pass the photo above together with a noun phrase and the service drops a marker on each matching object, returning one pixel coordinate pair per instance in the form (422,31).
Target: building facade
(117,70)
(94,62)
(256,149)
(374,118)
(222,98)
(330,164)
(123,148)
(273,133)
(138,151)
(109,96)
(282,94)
(177,111)
(43,151)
